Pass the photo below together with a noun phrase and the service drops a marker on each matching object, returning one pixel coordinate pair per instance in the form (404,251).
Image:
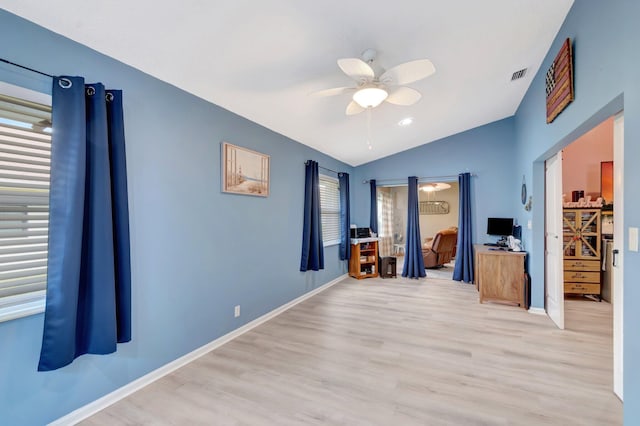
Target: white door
(553,240)
(618,246)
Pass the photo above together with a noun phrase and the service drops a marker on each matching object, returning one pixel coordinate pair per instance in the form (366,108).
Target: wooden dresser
(500,275)
(581,247)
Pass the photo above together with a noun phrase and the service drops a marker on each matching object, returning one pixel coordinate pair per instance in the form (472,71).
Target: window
(385,220)
(330,210)
(25,154)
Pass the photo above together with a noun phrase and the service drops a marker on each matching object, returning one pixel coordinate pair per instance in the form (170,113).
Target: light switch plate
(633,239)
(529,225)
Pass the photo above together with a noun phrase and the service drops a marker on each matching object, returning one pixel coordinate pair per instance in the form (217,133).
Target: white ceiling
(261,59)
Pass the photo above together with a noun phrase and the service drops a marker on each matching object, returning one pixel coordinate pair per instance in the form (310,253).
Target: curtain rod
(430,178)
(324,168)
(25,68)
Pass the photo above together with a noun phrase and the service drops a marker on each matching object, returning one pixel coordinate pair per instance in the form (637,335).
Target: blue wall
(485,151)
(605,36)
(196,252)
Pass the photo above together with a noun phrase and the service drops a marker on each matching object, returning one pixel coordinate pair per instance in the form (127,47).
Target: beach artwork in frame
(244,171)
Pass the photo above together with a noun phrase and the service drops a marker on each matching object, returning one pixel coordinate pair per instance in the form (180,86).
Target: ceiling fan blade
(357,69)
(331,92)
(353,108)
(408,72)
(404,96)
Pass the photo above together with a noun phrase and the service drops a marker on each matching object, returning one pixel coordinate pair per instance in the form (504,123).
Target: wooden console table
(500,275)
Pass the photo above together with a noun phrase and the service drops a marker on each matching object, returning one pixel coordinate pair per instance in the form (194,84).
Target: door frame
(618,244)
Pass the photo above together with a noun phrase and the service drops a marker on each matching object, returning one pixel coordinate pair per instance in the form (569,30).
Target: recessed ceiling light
(405,121)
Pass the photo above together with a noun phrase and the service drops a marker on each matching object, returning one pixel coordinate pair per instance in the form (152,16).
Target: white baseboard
(537,311)
(92,408)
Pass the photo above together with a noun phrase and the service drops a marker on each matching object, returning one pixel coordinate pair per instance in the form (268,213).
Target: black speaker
(517,232)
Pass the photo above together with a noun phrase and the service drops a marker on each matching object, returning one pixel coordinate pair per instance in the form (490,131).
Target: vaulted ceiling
(262,59)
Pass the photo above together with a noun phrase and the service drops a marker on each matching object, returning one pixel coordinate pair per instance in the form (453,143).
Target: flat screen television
(500,226)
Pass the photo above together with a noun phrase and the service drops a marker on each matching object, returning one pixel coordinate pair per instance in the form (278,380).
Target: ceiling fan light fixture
(433,187)
(370,97)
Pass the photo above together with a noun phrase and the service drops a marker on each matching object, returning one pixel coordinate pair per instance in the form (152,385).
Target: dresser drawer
(581,277)
(581,265)
(580,288)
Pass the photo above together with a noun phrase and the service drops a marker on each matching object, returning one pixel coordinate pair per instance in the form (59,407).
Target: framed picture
(244,171)
(606,181)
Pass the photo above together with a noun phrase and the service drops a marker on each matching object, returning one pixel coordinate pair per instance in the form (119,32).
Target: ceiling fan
(374,85)
(433,187)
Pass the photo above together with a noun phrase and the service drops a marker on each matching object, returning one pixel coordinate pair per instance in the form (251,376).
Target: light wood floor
(394,352)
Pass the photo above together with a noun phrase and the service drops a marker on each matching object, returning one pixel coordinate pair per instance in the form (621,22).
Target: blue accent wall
(196,252)
(605,37)
(485,151)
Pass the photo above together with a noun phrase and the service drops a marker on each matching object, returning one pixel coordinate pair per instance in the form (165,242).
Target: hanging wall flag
(559,82)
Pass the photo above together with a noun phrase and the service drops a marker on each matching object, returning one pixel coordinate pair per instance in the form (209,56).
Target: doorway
(591,233)
(438,207)
(587,191)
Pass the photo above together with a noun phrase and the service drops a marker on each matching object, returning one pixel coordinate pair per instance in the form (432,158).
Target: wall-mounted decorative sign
(559,82)
(433,207)
(244,171)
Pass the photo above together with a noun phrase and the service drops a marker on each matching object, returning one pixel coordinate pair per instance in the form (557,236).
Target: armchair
(440,249)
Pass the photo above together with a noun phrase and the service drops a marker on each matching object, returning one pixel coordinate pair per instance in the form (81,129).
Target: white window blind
(25,154)
(330,209)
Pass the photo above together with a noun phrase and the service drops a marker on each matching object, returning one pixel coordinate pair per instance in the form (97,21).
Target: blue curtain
(413,261)
(312,257)
(463,270)
(345,217)
(373,218)
(88,307)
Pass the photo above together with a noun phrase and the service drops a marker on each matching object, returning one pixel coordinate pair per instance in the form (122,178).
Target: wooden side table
(364,258)
(500,275)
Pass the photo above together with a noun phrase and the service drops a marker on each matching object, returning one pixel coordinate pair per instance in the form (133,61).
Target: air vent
(518,74)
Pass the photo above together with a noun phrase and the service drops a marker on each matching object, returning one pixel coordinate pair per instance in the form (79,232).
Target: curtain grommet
(109,97)
(65,83)
(91,91)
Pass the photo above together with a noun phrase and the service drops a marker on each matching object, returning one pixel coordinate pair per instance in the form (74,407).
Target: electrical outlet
(236,311)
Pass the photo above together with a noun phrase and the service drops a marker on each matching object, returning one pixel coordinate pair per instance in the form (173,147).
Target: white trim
(619,241)
(24,93)
(330,243)
(92,408)
(537,311)
(21,305)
